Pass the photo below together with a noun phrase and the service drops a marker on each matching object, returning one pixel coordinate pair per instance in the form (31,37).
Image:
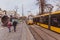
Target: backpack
(14,23)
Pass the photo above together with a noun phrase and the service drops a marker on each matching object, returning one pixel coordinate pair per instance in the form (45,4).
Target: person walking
(9,26)
(14,24)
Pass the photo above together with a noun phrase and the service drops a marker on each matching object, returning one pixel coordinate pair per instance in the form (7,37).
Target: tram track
(46,32)
(35,34)
(42,34)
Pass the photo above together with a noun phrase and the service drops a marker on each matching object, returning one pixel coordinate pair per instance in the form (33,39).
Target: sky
(54,3)
(28,5)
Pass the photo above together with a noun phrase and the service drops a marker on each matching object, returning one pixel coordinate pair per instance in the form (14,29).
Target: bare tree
(57,2)
(41,5)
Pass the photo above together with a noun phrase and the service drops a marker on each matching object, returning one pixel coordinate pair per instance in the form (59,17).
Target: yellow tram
(43,21)
(30,20)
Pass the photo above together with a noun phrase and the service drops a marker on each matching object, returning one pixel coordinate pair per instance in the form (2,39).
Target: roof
(46,14)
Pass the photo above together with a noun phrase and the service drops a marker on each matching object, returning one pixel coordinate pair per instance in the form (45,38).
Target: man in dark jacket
(14,24)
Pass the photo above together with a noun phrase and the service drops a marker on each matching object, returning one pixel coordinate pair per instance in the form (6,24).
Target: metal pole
(49,22)
(22,10)
(49,6)
(39,6)
(15,12)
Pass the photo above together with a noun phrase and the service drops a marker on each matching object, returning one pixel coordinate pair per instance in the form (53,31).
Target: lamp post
(22,10)
(16,8)
(39,6)
(49,6)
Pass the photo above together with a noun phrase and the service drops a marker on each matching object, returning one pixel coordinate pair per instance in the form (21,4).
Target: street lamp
(49,6)
(22,7)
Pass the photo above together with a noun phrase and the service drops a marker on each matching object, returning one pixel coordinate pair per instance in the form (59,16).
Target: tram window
(38,19)
(41,19)
(58,19)
(34,19)
(46,18)
(54,20)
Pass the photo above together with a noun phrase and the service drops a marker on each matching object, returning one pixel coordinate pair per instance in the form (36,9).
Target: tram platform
(22,33)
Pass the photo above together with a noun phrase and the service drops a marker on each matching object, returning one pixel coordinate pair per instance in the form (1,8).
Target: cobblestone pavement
(20,34)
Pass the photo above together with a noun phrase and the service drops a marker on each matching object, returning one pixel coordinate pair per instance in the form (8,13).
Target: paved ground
(22,33)
(28,32)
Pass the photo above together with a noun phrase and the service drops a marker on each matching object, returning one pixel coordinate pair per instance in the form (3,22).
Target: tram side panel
(54,23)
